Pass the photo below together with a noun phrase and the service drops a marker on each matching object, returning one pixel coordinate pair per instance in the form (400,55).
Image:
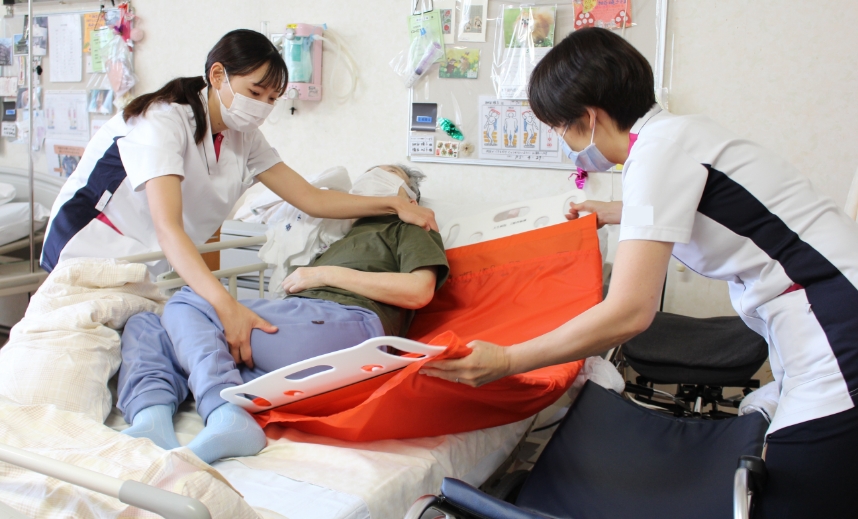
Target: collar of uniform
(636,128)
(208,140)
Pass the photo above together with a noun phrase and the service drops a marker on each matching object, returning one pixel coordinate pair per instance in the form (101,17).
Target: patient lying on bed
(366,285)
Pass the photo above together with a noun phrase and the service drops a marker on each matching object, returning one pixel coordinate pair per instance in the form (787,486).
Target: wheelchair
(611,458)
(652,455)
(700,356)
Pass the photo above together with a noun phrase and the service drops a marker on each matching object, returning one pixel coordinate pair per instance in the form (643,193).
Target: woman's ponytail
(183,90)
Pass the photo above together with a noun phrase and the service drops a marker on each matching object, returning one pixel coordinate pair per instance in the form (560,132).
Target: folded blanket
(54,398)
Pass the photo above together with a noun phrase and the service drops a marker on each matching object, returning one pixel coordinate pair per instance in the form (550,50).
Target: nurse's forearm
(334,204)
(591,333)
(324,203)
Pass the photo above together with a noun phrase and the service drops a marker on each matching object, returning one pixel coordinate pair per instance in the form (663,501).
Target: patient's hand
(305,278)
(607,213)
(486,363)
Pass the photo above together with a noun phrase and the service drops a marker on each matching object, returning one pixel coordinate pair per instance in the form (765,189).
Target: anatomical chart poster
(510,132)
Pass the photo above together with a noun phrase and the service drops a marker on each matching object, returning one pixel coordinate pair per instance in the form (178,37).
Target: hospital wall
(774,72)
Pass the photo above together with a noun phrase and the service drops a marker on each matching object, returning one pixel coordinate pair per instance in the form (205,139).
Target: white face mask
(589,159)
(244,114)
(378,182)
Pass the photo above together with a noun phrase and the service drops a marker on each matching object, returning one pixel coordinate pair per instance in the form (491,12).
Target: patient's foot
(230,431)
(155,423)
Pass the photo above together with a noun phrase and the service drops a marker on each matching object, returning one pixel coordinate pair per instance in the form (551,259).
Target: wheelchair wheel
(510,486)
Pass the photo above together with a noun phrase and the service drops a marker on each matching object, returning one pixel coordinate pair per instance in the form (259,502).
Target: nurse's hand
(486,363)
(238,321)
(410,212)
(607,213)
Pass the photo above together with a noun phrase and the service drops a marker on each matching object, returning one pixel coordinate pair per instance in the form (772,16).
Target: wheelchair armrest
(757,472)
(472,501)
(749,480)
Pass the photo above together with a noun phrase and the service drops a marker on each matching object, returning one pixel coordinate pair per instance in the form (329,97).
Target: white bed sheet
(304,476)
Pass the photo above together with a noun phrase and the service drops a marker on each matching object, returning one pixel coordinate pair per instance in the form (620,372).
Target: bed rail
(20,244)
(23,283)
(166,504)
(171,280)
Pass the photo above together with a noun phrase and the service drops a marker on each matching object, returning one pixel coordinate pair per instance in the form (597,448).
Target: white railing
(164,503)
(23,283)
(171,280)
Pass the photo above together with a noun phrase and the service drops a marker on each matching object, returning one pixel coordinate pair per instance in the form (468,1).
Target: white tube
(63,471)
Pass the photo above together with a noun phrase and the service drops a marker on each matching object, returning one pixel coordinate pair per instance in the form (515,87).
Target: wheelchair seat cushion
(676,349)
(610,458)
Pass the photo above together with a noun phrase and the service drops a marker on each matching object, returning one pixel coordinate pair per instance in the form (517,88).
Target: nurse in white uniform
(729,210)
(164,173)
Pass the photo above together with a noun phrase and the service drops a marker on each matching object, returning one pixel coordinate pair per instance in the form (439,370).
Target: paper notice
(65,41)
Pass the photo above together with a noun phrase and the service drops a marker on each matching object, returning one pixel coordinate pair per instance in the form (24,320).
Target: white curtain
(852,199)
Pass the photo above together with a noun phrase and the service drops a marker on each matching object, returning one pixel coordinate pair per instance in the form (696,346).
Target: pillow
(7,193)
(15,220)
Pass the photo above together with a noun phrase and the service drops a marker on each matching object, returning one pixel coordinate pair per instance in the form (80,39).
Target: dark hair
(591,68)
(240,52)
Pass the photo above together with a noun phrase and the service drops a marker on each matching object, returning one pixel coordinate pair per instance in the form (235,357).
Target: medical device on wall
(301,47)
(302,52)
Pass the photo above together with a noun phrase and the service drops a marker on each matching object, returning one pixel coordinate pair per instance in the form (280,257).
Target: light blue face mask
(589,159)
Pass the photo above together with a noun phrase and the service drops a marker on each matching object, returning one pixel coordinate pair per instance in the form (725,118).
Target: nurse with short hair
(730,210)
(165,173)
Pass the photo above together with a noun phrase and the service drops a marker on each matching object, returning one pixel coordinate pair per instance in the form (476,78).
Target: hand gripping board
(327,372)
(509,219)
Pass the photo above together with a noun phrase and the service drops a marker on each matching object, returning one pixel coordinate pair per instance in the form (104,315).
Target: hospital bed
(303,476)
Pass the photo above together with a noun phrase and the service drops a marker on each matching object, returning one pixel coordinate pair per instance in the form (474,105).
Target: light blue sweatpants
(185,349)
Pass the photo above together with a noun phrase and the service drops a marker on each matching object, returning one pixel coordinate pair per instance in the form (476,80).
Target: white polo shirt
(109,184)
(742,214)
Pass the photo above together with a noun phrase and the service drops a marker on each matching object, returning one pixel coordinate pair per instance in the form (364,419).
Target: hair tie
(450,129)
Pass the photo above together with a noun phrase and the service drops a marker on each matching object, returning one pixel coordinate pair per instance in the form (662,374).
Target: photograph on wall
(607,14)
(472,26)
(6,52)
(460,63)
(101,101)
(529,27)
(23,99)
(20,44)
(40,36)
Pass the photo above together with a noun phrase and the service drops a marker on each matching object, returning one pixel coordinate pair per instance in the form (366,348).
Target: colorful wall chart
(510,131)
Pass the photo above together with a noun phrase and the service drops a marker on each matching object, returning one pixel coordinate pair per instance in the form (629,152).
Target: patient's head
(412,177)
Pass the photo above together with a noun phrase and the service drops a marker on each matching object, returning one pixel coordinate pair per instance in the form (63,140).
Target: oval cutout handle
(372,367)
(511,213)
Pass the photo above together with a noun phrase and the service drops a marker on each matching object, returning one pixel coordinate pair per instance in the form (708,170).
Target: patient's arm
(411,290)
